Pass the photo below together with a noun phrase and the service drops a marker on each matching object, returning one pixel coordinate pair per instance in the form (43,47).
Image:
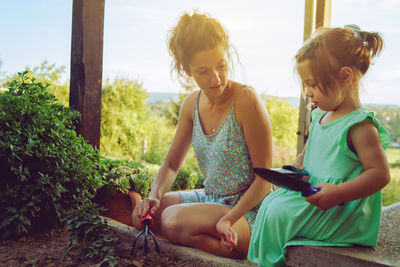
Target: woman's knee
(170,198)
(171,223)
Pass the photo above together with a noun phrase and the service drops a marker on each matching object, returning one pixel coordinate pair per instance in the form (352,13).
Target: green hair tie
(360,35)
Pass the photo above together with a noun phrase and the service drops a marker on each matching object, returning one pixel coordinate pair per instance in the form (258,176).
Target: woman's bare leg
(194,225)
(170,198)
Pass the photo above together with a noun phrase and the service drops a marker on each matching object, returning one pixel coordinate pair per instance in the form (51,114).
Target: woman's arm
(366,142)
(176,153)
(298,162)
(253,118)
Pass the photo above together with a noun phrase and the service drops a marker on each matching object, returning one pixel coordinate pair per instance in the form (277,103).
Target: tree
(284,117)
(122,119)
(47,74)
(172,114)
(389,116)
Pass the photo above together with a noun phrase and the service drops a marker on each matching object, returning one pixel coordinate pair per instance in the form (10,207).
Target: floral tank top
(223,157)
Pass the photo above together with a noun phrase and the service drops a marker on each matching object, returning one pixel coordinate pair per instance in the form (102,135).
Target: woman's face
(209,69)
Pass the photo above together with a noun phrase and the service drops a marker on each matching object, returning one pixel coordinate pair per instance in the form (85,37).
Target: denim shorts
(199,196)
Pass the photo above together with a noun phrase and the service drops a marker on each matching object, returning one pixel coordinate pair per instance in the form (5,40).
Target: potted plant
(125,187)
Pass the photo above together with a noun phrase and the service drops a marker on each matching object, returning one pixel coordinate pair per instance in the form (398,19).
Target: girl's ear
(346,75)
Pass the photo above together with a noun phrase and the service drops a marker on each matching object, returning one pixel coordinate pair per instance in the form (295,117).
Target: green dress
(286,219)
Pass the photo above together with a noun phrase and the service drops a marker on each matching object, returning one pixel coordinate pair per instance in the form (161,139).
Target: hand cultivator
(146,221)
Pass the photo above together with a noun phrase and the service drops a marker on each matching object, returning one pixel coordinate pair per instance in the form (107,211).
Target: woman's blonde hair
(193,33)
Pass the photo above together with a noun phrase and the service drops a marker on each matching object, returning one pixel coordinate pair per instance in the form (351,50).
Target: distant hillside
(167,96)
(161,96)
(294,100)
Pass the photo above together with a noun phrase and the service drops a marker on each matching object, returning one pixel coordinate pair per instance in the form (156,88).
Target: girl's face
(209,69)
(328,102)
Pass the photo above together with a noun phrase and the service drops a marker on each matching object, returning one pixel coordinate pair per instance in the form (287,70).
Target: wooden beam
(317,14)
(87,66)
(323,13)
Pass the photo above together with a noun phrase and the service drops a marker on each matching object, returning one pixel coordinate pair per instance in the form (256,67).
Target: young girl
(344,155)
(231,132)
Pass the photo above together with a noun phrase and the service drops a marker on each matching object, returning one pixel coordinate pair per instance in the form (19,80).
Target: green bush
(125,175)
(185,179)
(88,234)
(46,169)
(200,180)
(107,164)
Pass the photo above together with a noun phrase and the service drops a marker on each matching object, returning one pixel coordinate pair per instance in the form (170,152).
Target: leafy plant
(107,164)
(126,175)
(185,179)
(46,169)
(88,233)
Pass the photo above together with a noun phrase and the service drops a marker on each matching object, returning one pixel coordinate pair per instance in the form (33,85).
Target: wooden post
(317,14)
(87,66)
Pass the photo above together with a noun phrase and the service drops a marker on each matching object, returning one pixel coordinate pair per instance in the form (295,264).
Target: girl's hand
(228,235)
(147,205)
(327,198)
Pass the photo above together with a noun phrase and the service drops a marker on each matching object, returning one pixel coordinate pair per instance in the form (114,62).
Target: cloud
(381,4)
(388,75)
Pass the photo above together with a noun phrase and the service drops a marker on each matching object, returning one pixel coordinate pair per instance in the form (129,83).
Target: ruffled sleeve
(362,116)
(316,114)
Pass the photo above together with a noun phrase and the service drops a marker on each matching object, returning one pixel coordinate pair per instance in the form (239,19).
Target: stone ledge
(182,256)
(386,253)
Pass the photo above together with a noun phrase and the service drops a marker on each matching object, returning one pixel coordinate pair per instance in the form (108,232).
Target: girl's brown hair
(330,49)
(193,33)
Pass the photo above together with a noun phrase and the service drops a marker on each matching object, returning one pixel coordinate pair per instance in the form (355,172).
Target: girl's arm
(365,140)
(253,118)
(176,153)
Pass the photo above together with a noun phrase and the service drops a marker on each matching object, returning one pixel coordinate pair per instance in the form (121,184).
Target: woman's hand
(229,236)
(147,205)
(298,162)
(328,197)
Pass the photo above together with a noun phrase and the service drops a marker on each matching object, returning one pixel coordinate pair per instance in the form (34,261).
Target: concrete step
(182,256)
(386,253)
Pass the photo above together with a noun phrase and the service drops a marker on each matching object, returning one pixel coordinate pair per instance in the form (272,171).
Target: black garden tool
(287,178)
(146,221)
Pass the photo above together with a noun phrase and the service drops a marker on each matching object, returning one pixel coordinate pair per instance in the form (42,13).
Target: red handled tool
(146,221)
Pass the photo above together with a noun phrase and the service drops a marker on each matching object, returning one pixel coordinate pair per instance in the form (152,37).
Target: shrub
(200,180)
(107,164)
(125,175)
(185,179)
(88,233)
(46,169)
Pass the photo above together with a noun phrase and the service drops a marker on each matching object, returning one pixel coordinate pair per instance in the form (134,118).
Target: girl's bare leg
(194,225)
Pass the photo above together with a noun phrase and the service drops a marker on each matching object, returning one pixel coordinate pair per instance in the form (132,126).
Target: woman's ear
(187,70)
(346,75)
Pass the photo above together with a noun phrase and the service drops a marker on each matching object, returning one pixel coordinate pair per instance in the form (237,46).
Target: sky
(265,33)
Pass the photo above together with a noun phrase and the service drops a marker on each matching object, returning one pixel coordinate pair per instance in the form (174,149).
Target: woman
(231,132)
